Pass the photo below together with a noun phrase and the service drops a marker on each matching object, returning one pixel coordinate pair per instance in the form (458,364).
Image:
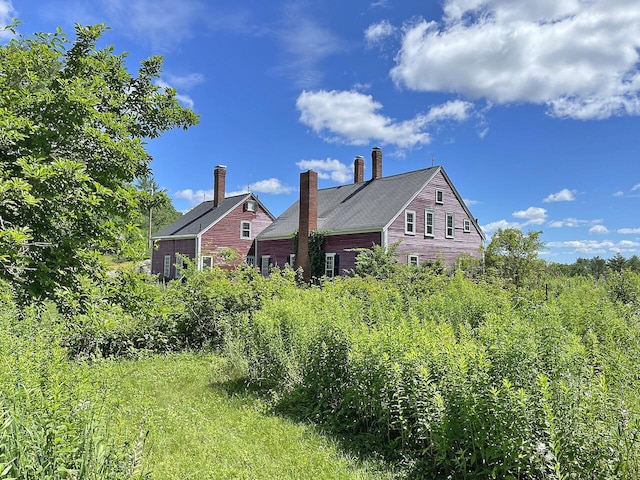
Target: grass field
(199,429)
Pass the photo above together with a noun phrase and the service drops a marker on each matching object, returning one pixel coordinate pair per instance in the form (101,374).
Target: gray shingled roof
(198,218)
(362,206)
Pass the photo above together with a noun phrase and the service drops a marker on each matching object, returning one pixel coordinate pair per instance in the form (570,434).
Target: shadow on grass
(364,446)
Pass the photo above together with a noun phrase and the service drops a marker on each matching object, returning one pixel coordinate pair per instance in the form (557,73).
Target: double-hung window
(329,264)
(167,266)
(245,230)
(466,225)
(409,222)
(439,196)
(450,225)
(429,218)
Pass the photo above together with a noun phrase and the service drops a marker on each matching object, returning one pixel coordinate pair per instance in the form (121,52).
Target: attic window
(250,206)
(439,196)
(466,225)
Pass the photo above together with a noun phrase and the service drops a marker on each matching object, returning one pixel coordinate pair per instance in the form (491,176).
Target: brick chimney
(308,220)
(376,163)
(358,169)
(219,175)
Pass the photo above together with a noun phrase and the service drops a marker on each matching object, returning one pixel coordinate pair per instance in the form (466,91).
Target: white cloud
(328,169)
(305,45)
(271,185)
(186,100)
(593,247)
(162,23)
(7,12)
(377,32)
(194,197)
(564,195)
(493,226)
(635,187)
(184,81)
(599,229)
(469,202)
(580,58)
(629,231)
(353,118)
(532,215)
(619,193)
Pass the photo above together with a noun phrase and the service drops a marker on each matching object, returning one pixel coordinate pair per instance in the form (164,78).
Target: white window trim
(441,200)
(250,260)
(179,265)
(242,230)
(167,266)
(466,225)
(413,256)
(406,222)
(433,223)
(453,225)
(328,256)
(202,259)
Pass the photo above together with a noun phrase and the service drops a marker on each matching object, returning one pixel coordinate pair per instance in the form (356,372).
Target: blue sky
(531,107)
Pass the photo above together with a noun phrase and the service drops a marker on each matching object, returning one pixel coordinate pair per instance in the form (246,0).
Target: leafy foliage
(72,125)
(513,255)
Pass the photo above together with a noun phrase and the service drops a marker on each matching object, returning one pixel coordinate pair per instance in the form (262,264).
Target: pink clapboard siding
(183,246)
(227,233)
(431,247)
(278,250)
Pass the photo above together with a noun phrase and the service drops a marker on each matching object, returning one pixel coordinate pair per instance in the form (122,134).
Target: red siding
(431,247)
(226,234)
(279,250)
(186,247)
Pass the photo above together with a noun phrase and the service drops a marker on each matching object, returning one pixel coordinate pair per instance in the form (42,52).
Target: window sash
(207,262)
(329,264)
(429,219)
(439,196)
(412,260)
(167,266)
(450,225)
(245,230)
(467,225)
(264,265)
(410,222)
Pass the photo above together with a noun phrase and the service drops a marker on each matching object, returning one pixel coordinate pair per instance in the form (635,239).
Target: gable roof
(204,216)
(361,207)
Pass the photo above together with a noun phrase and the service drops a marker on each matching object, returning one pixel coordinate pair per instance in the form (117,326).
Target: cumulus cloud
(532,215)
(564,195)
(572,222)
(629,231)
(594,247)
(328,169)
(493,226)
(580,58)
(376,33)
(184,81)
(635,187)
(599,229)
(270,185)
(619,193)
(354,118)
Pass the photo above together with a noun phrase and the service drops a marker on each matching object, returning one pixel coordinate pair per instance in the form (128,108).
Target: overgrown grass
(201,425)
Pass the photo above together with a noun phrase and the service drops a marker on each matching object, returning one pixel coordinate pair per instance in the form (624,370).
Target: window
(264,265)
(439,196)
(167,266)
(292,260)
(245,230)
(428,223)
(250,260)
(207,262)
(180,265)
(466,225)
(412,260)
(409,222)
(250,206)
(450,225)
(329,264)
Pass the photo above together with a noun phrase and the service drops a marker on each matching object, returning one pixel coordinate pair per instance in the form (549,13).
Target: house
(221,231)
(422,209)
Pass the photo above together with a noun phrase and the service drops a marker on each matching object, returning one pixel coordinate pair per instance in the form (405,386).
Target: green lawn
(198,430)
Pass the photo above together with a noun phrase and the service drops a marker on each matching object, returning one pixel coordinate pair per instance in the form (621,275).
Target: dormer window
(250,206)
(439,196)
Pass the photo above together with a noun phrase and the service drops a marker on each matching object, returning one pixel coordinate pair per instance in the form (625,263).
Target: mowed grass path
(198,430)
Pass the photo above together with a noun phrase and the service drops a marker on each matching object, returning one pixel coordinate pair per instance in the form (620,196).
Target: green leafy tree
(155,210)
(377,261)
(73,123)
(617,263)
(513,255)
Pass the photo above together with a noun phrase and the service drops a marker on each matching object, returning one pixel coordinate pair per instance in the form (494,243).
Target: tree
(617,263)
(73,123)
(377,261)
(155,209)
(513,255)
